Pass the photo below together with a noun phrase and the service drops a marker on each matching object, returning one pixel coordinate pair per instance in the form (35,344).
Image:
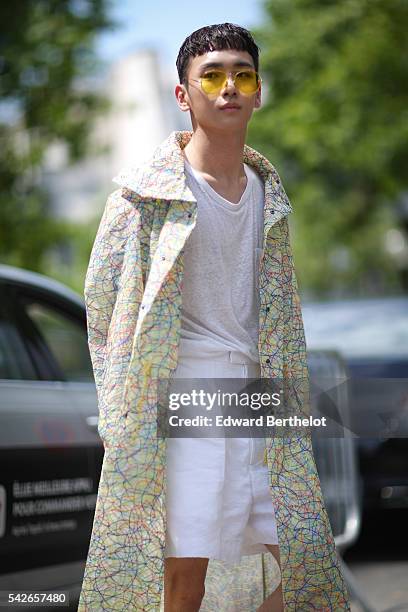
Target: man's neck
(217,155)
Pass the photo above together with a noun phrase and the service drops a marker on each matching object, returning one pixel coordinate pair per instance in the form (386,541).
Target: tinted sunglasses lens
(212,82)
(247,82)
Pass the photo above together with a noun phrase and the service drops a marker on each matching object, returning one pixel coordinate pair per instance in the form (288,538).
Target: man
(146,321)
(220,88)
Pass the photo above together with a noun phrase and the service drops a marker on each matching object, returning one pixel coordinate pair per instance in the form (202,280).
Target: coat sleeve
(103,276)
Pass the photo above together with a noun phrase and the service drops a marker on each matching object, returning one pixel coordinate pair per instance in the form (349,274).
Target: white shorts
(218,501)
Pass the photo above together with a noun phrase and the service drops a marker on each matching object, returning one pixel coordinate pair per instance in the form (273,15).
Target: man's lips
(230,106)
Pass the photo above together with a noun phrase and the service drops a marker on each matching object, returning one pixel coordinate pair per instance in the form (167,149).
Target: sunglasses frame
(229,74)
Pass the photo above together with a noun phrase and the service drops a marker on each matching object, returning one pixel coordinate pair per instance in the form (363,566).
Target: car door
(49,477)
(62,327)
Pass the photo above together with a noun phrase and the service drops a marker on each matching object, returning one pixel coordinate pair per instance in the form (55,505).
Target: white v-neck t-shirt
(220,296)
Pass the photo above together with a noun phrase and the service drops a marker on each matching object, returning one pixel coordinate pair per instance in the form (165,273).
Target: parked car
(372,336)
(50,450)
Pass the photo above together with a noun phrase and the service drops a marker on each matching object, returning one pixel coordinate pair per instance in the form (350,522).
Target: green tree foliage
(336,126)
(45,56)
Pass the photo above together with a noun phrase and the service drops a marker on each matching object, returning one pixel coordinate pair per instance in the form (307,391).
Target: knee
(187,598)
(184,595)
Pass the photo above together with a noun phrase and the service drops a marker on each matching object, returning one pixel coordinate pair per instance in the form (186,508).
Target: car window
(15,363)
(66,339)
(359,331)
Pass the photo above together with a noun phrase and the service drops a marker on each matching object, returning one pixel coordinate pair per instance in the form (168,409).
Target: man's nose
(229,82)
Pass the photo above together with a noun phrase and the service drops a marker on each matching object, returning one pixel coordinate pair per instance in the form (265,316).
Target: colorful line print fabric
(133,298)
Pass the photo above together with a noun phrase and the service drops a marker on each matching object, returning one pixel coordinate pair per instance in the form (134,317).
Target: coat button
(273,212)
(189,215)
(163,258)
(267,361)
(267,309)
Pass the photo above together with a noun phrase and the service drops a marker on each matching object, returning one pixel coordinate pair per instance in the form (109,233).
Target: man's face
(211,111)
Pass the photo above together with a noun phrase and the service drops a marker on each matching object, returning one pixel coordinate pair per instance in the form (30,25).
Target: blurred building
(143,113)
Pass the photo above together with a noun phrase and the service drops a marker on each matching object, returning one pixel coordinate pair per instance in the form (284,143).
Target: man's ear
(258,97)
(182,97)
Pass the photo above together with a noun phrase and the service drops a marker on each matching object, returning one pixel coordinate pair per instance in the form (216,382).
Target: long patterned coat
(133,298)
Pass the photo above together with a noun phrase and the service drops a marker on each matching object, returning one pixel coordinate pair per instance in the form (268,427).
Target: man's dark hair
(217,37)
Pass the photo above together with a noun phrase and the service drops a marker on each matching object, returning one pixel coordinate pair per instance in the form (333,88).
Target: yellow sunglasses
(213,81)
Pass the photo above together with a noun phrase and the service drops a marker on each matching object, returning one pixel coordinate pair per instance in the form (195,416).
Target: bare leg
(184,579)
(274,603)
